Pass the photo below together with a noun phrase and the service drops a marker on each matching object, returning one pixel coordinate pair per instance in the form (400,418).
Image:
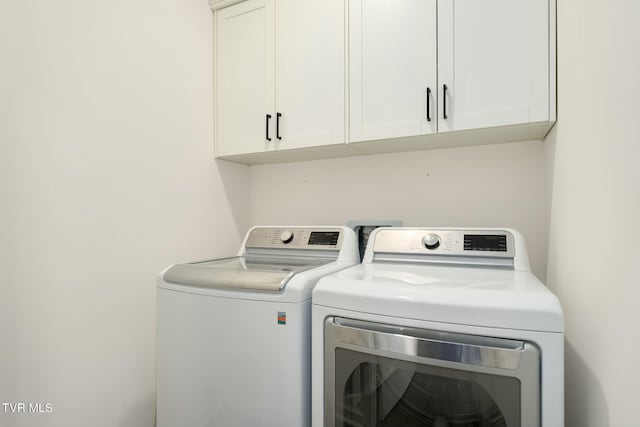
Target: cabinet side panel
(355,70)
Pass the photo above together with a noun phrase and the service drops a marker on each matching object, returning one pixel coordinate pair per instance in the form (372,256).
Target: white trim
(219,4)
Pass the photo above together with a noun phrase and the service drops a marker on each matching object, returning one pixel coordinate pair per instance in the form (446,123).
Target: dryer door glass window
(379,391)
(379,375)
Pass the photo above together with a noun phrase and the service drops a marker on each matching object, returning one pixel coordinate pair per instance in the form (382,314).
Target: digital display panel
(328,238)
(485,242)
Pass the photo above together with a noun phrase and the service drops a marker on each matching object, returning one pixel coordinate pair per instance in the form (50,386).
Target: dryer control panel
(296,238)
(481,243)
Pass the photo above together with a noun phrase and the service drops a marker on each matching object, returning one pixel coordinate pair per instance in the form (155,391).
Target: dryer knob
(431,241)
(286,237)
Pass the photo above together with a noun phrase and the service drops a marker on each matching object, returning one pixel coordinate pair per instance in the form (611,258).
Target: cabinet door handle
(278,115)
(428,104)
(444,101)
(267,130)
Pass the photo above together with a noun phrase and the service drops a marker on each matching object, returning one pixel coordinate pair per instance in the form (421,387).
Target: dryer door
(381,375)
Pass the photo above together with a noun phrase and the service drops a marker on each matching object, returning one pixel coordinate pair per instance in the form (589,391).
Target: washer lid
(249,273)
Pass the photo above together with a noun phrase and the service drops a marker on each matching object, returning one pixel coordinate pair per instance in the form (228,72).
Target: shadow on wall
(235,181)
(585,403)
(137,412)
(550,167)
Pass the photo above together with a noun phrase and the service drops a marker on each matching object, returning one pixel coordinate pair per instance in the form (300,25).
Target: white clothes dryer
(438,327)
(234,334)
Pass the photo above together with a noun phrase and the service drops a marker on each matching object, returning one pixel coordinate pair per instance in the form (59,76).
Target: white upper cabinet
(486,64)
(310,73)
(393,65)
(244,76)
(280,75)
(296,80)
(493,59)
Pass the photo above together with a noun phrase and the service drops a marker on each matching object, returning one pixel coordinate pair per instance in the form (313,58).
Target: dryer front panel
(382,375)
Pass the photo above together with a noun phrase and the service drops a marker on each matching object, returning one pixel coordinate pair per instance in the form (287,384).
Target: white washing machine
(438,327)
(234,338)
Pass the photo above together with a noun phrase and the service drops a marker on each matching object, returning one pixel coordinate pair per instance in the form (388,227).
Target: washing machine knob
(431,241)
(286,237)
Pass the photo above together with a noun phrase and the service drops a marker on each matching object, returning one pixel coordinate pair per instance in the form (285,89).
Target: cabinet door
(310,73)
(392,60)
(244,76)
(493,57)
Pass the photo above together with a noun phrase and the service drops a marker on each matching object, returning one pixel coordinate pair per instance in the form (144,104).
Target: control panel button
(286,237)
(431,241)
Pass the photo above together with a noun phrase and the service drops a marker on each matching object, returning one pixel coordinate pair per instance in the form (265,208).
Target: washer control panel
(471,243)
(295,238)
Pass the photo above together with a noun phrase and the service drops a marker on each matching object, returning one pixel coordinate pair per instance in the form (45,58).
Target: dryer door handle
(437,345)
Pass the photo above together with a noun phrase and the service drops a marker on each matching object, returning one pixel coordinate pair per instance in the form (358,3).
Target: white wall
(107,177)
(501,185)
(594,252)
